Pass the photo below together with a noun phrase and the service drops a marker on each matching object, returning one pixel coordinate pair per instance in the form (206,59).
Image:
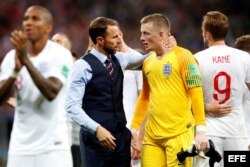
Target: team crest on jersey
(42,67)
(167,69)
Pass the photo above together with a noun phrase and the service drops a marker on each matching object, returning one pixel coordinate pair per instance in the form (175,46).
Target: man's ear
(100,40)
(161,34)
(208,36)
(49,28)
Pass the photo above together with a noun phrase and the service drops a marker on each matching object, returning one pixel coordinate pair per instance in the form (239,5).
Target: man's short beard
(109,51)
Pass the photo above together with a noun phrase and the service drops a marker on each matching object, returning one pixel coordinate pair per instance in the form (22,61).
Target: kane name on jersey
(221,59)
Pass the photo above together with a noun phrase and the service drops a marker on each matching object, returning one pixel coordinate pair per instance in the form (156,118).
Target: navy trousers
(95,155)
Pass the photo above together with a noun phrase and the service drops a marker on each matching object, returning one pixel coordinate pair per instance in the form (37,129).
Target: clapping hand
(19,41)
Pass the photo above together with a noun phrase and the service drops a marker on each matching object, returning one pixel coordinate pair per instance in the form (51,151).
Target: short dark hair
(243,43)
(98,27)
(74,55)
(46,13)
(216,23)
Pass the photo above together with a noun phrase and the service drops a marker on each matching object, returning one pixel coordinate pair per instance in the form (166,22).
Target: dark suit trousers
(95,155)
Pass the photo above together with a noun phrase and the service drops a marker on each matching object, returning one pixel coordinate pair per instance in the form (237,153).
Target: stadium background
(73,17)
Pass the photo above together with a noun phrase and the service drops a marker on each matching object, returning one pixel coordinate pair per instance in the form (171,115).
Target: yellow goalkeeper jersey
(171,87)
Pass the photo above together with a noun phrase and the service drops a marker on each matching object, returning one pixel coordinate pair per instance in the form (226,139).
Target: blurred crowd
(72,17)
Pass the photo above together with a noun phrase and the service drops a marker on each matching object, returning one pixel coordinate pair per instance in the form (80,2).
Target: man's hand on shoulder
(170,42)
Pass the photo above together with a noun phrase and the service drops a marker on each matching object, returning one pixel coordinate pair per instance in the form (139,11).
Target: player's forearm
(198,105)
(5,88)
(49,87)
(142,128)
(140,112)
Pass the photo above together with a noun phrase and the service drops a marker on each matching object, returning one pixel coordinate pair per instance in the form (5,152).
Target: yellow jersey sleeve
(191,77)
(141,108)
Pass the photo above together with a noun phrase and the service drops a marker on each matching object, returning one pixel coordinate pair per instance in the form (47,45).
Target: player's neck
(36,47)
(160,53)
(217,43)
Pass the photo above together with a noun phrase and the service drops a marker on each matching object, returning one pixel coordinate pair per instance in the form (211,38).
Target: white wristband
(14,74)
(200,128)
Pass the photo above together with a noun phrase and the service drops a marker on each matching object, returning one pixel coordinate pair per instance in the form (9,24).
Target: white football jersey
(224,72)
(246,107)
(132,84)
(39,124)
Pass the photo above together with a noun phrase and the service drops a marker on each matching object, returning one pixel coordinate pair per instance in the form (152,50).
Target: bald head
(45,13)
(62,39)
(37,24)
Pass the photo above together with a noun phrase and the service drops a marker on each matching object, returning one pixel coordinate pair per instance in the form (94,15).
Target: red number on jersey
(226,90)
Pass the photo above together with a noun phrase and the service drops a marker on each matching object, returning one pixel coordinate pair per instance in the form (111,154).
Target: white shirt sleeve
(131,59)
(7,65)
(248,69)
(138,74)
